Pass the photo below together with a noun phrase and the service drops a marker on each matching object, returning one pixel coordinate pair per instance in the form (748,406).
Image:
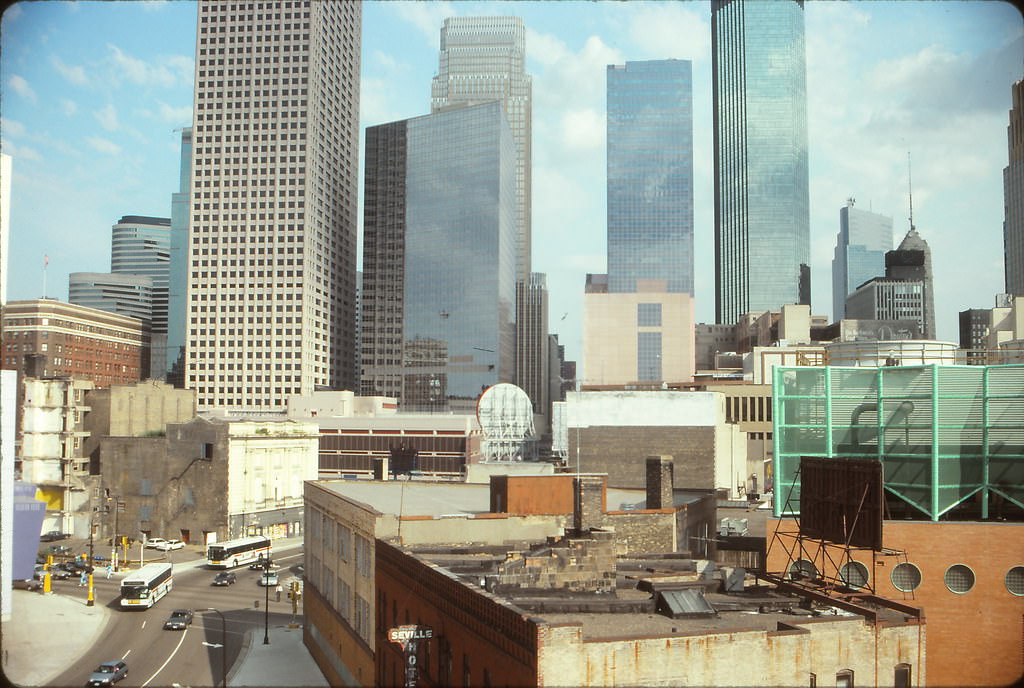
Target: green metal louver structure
(945,434)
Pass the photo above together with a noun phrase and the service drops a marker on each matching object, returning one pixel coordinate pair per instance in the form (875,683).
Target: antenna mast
(910,189)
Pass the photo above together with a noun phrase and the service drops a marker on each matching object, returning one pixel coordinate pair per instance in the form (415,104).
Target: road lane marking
(143,624)
(183,634)
(126,654)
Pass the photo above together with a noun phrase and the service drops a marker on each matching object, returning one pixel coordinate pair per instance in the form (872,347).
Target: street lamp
(266,604)
(223,645)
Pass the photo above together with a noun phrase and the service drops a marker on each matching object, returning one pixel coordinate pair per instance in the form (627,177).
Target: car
(168,545)
(260,563)
(155,542)
(58,572)
(31,584)
(72,567)
(108,673)
(53,535)
(224,578)
(268,578)
(179,620)
(59,549)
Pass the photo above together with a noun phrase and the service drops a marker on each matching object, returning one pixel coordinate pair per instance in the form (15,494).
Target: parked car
(108,673)
(54,535)
(168,545)
(224,578)
(178,620)
(154,542)
(32,584)
(58,572)
(269,578)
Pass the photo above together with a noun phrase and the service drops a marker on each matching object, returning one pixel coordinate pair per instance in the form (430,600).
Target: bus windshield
(135,592)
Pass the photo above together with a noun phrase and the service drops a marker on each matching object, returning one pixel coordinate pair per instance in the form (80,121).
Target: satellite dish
(505,414)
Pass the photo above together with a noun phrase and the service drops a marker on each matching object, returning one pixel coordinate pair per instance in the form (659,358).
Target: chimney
(588,502)
(660,481)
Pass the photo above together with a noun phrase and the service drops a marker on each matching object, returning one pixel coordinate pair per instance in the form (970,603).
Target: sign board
(409,637)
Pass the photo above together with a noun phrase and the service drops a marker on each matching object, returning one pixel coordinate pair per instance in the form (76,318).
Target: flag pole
(46,261)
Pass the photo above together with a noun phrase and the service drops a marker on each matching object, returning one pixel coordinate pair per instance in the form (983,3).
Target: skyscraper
(177,283)
(142,246)
(863,239)
(759,94)
(532,346)
(650,174)
(1013,197)
(439,258)
(483,59)
(272,259)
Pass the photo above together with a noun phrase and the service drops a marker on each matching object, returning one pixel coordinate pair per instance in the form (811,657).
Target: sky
(92,95)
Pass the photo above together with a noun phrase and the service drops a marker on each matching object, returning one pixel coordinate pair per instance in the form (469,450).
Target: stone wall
(622,452)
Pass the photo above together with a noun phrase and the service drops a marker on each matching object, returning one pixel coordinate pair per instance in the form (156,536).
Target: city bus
(143,588)
(232,553)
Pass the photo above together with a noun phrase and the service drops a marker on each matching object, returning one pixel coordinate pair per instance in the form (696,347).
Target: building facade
(272,253)
(1013,196)
(863,239)
(439,260)
(650,175)
(178,273)
(484,59)
(759,97)
(533,369)
(124,294)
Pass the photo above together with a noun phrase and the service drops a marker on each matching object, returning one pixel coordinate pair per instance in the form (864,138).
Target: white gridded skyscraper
(484,59)
(272,224)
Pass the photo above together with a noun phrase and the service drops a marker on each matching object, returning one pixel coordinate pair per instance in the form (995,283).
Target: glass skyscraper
(863,239)
(439,258)
(650,175)
(762,224)
(177,290)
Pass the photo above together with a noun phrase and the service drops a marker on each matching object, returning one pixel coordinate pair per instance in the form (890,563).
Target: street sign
(409,637)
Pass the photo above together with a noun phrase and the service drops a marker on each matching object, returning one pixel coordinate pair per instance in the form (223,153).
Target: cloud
(22,88)
(68,107)
(107,117)
(74,74)
(426,17)
(12,127)
(19,153)
(576,79)
(583,130)
(671,30)
(169,113)
(165,72)
(104,145)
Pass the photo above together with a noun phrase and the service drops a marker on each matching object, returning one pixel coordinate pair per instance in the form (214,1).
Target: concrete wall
(643,408)
(138,409)
(483,472)
(621,452)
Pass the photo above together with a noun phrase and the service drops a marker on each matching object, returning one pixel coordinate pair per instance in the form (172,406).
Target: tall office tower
(912,260)
(1013,197)
(483,59)
(650,175)
(124,294)
(439,258)
(532,347)
(142,246)
(177,283)
(863,239)
(272,265)
(759,98)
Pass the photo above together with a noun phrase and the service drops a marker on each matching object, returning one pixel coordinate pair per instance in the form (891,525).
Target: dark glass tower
(650,175)
(762,223)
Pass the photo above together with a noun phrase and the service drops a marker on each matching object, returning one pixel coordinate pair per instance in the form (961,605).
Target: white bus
(142,588)
(232,553)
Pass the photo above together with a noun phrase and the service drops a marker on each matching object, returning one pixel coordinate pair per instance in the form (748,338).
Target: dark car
(179,620)
(32,584)
(54,535)
(72,567)
(108,673)
(224,578)
(259,564)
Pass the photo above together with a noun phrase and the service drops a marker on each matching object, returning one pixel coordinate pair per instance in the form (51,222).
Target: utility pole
(90,600)
(266,604)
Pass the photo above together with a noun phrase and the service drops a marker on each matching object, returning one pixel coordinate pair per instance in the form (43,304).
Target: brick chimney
(588,502)
(660,481)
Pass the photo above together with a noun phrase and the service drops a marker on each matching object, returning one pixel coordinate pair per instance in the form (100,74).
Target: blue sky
(91,94)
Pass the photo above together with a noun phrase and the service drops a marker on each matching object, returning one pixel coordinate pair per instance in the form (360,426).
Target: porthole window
(1015,581)
(854,575)
(906,577)
(803,569)
(959,578)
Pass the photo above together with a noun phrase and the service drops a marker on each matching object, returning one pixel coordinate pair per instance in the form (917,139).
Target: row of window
(906,577)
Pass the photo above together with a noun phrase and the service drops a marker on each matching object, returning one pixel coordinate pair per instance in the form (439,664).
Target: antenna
(910,189)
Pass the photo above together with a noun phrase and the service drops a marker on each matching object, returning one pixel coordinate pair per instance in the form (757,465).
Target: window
(959,578)
(648,314)
(1015,581)
(906,577)
(854,574)
(146,488)
(844,678)
(901,677)
(802,568)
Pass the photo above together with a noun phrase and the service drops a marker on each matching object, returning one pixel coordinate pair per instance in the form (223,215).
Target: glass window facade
(864,237)
(648,356)
(650,174)
(648,314)
(762,223)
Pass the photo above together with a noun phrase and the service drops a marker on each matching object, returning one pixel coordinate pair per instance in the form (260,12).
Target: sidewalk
(48,633)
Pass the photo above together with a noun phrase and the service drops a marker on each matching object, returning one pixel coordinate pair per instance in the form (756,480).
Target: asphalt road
(188,658)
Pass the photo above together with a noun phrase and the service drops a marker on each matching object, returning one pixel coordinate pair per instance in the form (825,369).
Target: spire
(910,188)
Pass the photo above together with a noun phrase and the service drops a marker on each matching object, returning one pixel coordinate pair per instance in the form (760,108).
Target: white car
(268,579)
(155,542)
(168,545)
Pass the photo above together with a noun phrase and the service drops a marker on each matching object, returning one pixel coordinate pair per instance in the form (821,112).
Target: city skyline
(89,110)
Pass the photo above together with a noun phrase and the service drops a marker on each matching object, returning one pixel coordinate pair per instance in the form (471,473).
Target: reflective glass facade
(864,237)
(142,246)
(650,174)
(762,225)
(177,287)
(441,223)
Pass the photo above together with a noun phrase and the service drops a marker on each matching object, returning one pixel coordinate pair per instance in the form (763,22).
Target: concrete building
(209,480)
(640,337)
(885,299)
(863,239)
(274,178)
(8,430)
(528,594)
(483,59)
(1013,196)
(611,432)
(759,102)
(438,260)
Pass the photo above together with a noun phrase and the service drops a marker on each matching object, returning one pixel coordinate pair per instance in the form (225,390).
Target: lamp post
(266,604)
(223,645)
(90,599)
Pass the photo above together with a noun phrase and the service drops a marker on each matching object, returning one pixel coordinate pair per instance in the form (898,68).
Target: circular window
(801,568)
(906,577)
(959,578)
(854,575)
(1015,580)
